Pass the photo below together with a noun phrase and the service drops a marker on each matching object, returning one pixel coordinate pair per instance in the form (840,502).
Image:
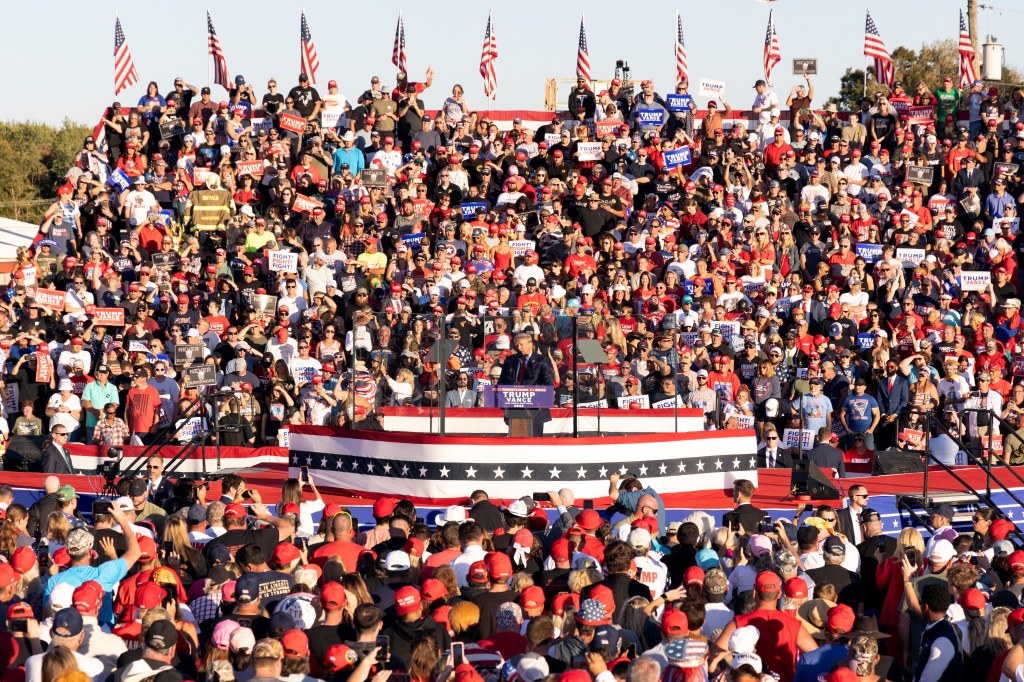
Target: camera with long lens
(112,466)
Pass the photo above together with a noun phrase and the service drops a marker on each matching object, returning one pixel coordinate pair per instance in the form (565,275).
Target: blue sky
(72,74)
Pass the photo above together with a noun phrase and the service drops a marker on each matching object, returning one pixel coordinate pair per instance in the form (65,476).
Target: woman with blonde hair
(57,528)
(403,386)
(889,578)
(463,618)
(192,562)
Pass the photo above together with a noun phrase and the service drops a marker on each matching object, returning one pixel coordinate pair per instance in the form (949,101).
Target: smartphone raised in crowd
(458,653)
(384,642)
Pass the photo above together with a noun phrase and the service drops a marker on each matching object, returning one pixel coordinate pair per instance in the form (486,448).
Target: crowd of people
(171,581)
(849,276)
(764,277)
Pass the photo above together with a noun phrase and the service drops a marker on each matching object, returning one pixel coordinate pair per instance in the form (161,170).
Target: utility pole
(972,28)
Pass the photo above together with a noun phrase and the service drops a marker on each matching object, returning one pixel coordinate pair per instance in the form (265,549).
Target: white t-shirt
(64,418)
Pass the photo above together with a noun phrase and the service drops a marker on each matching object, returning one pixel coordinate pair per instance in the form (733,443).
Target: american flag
(125,74)
(220,63)
(681,67)
(874,47)
(583,55)
(310,62)
(398,56)
(967,72)
(487,59)
(772,55)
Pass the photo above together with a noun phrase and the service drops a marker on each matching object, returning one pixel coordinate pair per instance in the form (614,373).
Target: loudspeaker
(897,462)
(808,479)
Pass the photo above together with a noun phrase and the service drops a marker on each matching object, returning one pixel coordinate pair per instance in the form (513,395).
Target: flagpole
(864,92)
(490,28)
(209,57)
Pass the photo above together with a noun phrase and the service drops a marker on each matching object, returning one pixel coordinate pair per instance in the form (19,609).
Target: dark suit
(38,513)
(747,515)
(890,401)
(163,492)
(847,522)
(520,370)
(783,458)
(828,457)
(56,460)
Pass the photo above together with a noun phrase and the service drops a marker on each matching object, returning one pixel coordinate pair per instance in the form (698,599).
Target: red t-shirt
(143,409)
(777,644)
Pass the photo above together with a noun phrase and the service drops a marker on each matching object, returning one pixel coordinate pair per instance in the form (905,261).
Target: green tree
(34,160)
(930,64)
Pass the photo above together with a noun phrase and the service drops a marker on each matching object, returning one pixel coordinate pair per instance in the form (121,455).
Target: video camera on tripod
(110,469)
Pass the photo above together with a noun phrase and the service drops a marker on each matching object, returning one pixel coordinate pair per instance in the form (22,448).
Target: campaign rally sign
(865,341)
(261,123)
(677,157)
(729,328)
(711,88)
(974,280)
(253,168)
(869,252)
(283,261)
(469,209)
(920,115)
(292,123)
(187,353)
(199,174)
(795,438)
(414,240)
(552,139)
(51,299)
(120,180)
(679,103)
(588,151)
(909,257)
(108,317)
(329,117)
(304,204)
(524,397)
(609,126)
(199,375)
(521,246)
(626,402)
(689,339)
(650,117)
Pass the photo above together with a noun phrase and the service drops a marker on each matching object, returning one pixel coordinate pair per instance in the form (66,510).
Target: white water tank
(991,60)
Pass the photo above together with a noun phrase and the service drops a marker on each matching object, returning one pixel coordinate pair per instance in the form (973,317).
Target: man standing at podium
(528,368)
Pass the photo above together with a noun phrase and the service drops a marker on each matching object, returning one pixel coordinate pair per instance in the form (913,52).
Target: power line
(1001,9)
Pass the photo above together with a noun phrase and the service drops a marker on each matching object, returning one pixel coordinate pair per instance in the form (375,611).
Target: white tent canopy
(14,233)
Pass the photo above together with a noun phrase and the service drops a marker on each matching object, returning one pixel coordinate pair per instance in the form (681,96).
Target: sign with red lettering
(108,317)
(292,123)
(44,368)
(609,126)
(920,115)
(305,204)
(51,299)
(253,168)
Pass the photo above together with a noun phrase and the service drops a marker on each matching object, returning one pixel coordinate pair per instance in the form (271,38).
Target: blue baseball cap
(247,589)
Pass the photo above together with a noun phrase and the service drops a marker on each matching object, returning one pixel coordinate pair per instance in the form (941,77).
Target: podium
(520,422)
(526,408)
